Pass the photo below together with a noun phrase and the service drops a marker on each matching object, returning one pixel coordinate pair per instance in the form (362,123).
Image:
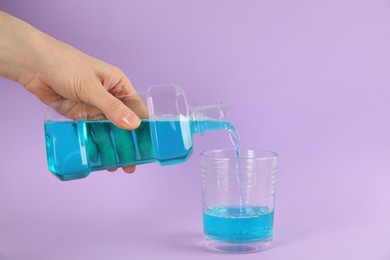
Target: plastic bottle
(79,139)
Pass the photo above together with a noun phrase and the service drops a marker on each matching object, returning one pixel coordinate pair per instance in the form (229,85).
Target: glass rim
(230,154)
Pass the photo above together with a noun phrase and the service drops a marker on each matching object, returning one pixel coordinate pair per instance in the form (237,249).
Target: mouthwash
(76,145)
(239,223)
(75,148)
(232,224)
(235,139)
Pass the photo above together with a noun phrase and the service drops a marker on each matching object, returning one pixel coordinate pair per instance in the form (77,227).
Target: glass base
(236,248)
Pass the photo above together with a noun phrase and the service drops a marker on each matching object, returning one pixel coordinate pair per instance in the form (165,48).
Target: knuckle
(115,105)
(114,72)
(81,86)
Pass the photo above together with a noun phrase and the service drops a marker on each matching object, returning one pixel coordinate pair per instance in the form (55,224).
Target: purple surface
(307,79)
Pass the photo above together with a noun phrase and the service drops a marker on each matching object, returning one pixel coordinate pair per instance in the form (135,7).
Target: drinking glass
(238,191)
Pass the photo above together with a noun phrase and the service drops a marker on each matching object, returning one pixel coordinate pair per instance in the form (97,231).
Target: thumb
(117,112)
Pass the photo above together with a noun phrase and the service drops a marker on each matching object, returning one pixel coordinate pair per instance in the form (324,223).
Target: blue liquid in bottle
(232,224)
(75,148)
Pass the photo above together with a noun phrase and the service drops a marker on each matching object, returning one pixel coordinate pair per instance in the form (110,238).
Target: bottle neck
(209,118)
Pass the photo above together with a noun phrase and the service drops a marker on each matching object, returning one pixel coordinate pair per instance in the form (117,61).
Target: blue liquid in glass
(75,148)
(232,224)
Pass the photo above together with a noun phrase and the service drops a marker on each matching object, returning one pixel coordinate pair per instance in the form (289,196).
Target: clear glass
(238,191)
(80,139)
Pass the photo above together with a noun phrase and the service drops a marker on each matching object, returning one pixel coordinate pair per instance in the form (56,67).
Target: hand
(53,71)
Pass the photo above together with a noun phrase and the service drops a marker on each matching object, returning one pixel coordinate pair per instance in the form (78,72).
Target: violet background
(308,79)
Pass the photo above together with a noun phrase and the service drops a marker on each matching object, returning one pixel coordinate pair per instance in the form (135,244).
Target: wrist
(21,48)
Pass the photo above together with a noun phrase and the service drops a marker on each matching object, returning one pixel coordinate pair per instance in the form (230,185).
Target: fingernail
(131,121)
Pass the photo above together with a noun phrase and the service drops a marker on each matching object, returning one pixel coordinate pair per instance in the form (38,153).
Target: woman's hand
(53,71)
